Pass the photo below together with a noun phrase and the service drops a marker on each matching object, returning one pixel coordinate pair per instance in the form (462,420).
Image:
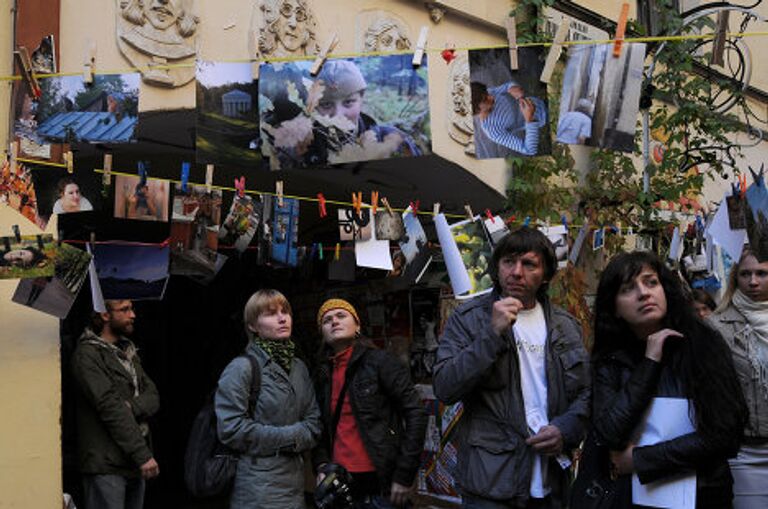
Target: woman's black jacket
(623,387)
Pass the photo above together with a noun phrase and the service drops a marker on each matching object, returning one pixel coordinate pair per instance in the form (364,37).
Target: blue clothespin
(564,220)
(320,250)
(143,173)
(184,176)
(527,221)
(699,224)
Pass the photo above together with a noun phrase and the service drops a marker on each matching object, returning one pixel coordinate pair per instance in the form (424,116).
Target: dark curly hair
(701,360)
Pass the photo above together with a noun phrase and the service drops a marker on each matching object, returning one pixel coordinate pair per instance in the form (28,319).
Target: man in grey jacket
(518,365)
(115,399)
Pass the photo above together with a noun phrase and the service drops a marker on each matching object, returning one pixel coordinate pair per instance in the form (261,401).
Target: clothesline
(662,38)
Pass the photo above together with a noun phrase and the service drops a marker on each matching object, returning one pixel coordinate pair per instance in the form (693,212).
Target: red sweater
(348,447)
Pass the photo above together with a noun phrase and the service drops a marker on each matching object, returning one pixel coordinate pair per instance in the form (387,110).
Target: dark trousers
(113,492)
(472,502)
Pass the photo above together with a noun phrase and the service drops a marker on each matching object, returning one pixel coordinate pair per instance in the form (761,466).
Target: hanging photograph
(467,253)
(414,247)
(59,192)
(144,199)
(354,226)
(241,223)
(27,256)
(17,191)
(131,271)
(600,99)
(195,230)
(55,295)
(356,109)
(558,236)
(70,111)
(509,108)
(227,131)
(285,232)
(389,226)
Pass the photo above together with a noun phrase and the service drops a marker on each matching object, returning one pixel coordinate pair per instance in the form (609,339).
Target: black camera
(335,490)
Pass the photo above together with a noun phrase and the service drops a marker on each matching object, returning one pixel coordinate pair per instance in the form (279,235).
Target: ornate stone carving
(152,33)
(286,28)
(459,105)
(382,31)
(436,12)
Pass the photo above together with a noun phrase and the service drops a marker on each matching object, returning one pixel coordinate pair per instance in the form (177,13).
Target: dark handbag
(594,488)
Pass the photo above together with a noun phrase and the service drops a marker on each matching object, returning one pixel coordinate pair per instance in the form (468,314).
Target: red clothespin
(742,185)
(621,29)
(240,186)
(321,205)
(415,207)
(374,201)
(489,215)
(357,203)
(448,54)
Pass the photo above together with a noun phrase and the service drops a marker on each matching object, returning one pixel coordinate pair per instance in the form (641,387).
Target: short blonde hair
(263,301)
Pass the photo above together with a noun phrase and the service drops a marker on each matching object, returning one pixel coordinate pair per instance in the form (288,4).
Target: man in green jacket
(115,399)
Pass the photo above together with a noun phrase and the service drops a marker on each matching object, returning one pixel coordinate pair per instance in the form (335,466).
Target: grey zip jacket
(481,369)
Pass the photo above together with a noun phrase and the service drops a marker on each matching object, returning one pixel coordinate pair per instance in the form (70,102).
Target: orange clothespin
(512,39)
(511,219)
(69,160)
(330,45)
(357,202)
(337,253)
(321,205)
(28,73)
(386,205)
(489,215)
(106,178)
(240,186)
(415,207)
(208,178)
(621,28)
(374,201)
(742,185)
(279,192)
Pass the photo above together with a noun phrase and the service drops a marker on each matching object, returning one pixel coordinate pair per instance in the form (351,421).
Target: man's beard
(121,329)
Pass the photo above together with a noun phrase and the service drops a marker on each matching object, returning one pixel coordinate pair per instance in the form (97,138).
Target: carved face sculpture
(386,35)
(287,20)
(162,14)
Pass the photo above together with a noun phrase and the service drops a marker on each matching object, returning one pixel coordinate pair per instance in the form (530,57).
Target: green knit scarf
(280,350)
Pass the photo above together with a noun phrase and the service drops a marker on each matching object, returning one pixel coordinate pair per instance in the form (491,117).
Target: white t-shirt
(530,331)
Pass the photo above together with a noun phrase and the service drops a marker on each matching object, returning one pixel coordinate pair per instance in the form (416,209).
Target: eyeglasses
(123,309)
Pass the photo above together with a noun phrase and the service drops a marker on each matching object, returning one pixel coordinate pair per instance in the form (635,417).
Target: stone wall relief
(285,28)
(156,33)
(381,31)
(459,103)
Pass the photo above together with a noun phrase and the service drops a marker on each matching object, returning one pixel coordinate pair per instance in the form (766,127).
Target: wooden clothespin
(253,51)
(374,201)
(337,254)
(718,45)
(511,24)
(208,178)
(93,237)
(69,160)
(357,203)
(89,61)
(279,193)
(27,72)
(16,232)
(14,156)
(421,46)
(468,210)
(184,176)
(240,186)
(106,177)
(436,208)
(386,205)
(321,205)
(330,45)
(621,29)
(556,49)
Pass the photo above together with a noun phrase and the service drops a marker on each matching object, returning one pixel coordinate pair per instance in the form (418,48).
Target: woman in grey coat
(285,420)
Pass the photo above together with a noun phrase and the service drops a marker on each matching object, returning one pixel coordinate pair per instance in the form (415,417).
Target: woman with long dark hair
(743,322)
(649,344)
